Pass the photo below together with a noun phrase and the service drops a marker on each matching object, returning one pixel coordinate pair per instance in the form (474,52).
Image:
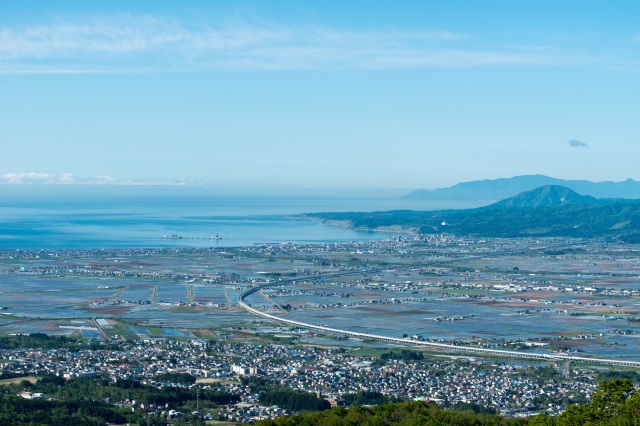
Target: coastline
(348,224)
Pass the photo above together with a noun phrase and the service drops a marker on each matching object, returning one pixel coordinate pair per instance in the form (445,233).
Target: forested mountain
(548,211)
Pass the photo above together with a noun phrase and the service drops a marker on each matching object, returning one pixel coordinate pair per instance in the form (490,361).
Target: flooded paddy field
(136,293)
(544,296)
(210,295)
(172,293)
(465,320)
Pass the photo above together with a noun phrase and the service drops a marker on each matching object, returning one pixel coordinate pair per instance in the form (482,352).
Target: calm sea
(72,218)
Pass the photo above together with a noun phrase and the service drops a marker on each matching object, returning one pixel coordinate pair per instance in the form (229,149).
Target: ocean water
(73,218)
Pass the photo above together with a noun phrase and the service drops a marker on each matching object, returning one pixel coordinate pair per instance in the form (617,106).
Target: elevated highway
(445,347)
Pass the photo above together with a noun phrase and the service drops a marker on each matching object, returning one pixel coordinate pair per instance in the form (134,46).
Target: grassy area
(18,380)
(156,331)
(376,352)
(122,331)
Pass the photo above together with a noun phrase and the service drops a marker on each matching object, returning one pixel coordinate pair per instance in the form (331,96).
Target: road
(410,342)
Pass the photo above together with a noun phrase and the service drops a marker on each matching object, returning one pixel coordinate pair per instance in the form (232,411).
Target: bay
(93,218)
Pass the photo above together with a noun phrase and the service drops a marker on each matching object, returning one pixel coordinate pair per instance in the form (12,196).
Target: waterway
(73,218)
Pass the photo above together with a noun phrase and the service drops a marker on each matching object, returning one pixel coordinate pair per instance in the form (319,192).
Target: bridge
(416,343)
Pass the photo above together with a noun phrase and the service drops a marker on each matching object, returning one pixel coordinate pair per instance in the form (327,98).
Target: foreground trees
(96,401)
(404,413)
(80,402)
(616,403)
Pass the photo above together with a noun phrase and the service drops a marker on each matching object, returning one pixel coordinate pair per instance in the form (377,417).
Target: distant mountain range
(499,189)
(547,211)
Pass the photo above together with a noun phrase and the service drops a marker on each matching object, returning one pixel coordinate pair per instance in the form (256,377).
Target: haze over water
(72,218)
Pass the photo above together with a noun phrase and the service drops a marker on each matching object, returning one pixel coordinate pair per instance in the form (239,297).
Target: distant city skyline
(318,94)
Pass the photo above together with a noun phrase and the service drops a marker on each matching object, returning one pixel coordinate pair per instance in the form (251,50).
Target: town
(149,313)
(333,374)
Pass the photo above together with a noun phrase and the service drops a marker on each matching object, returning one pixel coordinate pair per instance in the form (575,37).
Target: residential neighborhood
(513,390)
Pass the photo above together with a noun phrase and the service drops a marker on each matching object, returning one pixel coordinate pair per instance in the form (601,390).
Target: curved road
(405,341)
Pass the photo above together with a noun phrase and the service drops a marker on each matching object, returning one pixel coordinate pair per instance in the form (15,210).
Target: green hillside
(549,211)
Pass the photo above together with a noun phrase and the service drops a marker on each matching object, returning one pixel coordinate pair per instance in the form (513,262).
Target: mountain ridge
(547,211)
(499,189)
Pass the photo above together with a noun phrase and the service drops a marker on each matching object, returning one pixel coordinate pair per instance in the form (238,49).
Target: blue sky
(329,94)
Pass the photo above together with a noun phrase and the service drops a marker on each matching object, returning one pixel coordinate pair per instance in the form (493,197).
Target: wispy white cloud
(39,178)
(33,177)
(132,43)
(127,37)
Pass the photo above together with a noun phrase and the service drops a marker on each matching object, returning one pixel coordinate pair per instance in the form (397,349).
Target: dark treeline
(183,378)
(258,384)
(44,341)
(404,355)
(403,413)
(367,398)
(293,399)
(17,411)
(86,401)
(476,408)
(610,375)
(616,403)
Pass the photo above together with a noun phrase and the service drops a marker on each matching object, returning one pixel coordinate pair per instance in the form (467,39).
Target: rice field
(587,303)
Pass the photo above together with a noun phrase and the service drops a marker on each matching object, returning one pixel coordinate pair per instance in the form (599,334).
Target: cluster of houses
(331,372)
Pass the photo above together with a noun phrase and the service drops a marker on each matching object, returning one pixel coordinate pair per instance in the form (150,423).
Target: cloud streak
(39,178)
(146,44)
(575,143)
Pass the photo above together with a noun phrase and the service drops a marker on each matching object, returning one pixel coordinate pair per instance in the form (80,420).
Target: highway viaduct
(416,343)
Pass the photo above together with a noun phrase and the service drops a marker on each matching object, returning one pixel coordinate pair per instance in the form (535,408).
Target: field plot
(30,296)
(34,326)
(456,319)
(136,293)
(234,292)
(213,295)
(140,331)
(172,293)
(587,305)
(187,317)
